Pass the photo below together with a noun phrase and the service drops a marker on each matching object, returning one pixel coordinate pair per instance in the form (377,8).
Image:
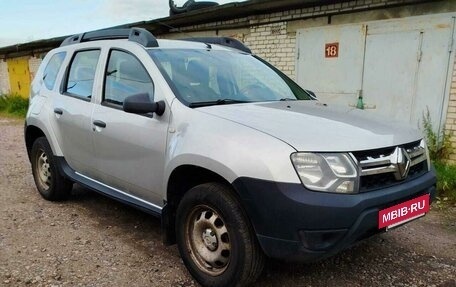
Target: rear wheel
(51,185)
(215,239)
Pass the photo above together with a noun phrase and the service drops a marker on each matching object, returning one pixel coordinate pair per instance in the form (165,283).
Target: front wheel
(215,239)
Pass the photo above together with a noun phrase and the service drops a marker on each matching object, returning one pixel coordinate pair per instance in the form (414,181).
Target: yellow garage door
(19,76)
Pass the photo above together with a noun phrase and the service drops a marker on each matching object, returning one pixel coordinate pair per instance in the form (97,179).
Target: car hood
(314,126)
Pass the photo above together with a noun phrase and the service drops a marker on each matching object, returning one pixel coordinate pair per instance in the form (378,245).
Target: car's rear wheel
(215,239)
(51,185)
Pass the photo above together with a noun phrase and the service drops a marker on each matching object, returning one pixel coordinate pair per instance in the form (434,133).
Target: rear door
(129,148)
(72,111)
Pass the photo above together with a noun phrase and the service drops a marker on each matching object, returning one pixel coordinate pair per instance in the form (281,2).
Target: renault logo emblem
(401,160)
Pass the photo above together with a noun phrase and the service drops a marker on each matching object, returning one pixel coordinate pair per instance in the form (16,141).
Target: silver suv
(237,160)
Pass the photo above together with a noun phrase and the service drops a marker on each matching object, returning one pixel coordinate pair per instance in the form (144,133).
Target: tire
(215,239)
(49,182)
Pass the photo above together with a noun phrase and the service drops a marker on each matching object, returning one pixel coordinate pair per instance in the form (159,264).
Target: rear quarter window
(52,69)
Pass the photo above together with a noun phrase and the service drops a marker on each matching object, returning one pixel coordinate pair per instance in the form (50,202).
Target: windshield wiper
(287,99)
(217,102)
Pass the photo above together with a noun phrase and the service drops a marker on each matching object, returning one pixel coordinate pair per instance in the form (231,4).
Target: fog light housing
(321,240)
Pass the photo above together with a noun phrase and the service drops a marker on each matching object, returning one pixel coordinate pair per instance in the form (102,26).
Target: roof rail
(138,35)
(223,41)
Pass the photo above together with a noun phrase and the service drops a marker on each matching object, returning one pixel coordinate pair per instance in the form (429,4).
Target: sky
(28,20)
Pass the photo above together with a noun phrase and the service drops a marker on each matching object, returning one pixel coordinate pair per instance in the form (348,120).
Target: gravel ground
(90,240)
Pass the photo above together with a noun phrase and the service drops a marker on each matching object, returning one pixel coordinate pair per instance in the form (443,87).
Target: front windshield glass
(206,77)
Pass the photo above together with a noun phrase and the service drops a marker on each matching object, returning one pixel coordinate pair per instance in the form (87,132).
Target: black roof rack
(138,35)
(223,41)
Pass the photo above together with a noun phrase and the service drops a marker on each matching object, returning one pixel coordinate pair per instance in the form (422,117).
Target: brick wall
(270,37)
(4,78)
(450,126)
(303,13)
(273,43)
(273,37)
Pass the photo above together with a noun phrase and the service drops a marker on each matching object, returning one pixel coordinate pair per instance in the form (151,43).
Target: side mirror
(311,93)
(141,104)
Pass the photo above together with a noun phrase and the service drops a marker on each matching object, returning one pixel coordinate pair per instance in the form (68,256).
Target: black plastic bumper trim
(282,213)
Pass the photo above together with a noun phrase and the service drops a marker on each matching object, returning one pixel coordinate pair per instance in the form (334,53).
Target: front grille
(386,167)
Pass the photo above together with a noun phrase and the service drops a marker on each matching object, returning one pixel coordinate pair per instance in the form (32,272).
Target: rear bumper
(294,223)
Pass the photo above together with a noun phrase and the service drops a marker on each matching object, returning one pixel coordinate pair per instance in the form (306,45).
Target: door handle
(58,111)
(99,123)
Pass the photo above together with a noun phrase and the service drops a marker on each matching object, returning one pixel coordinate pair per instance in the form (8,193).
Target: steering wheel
(255,91)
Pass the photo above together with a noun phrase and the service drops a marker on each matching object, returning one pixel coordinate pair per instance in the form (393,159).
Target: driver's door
(129,148)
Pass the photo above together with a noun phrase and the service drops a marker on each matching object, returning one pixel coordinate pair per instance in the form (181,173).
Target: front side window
(82,74)
(125,76)
(52,69)
(205,77)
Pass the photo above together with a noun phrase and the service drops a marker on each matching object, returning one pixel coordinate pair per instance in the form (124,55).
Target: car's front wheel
(51,185)
(215,239)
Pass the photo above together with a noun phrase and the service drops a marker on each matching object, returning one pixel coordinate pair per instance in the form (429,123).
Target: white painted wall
(4,78)
(34,64)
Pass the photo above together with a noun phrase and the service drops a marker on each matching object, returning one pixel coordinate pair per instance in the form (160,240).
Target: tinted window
(52,69)
(82,74)
(125,76)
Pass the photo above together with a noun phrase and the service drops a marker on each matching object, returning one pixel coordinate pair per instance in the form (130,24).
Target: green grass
(440,148)
(13,105)
(446,182)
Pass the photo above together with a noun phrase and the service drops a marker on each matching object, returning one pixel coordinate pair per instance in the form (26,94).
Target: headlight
(330,172)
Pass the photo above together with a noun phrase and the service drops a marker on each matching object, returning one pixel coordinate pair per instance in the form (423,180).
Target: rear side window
(52,69)
(125,76)
(82,74)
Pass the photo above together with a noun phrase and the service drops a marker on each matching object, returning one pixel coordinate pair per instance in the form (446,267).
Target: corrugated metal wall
(400,67)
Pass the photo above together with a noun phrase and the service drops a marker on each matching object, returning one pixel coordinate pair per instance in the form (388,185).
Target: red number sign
(403,212)
(332,50)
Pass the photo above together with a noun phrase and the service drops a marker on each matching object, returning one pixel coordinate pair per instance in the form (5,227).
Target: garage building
(398,55)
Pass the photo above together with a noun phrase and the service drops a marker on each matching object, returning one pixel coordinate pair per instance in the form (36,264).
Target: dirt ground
(90,240)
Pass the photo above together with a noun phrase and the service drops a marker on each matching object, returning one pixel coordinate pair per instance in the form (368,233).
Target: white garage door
(400,67)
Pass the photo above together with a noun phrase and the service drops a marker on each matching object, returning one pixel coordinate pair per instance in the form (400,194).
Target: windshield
(209,77)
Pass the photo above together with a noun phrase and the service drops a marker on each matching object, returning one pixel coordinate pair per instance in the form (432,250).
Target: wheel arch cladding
(31,133)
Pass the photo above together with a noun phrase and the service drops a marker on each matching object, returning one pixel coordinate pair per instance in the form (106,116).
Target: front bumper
(294,223)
